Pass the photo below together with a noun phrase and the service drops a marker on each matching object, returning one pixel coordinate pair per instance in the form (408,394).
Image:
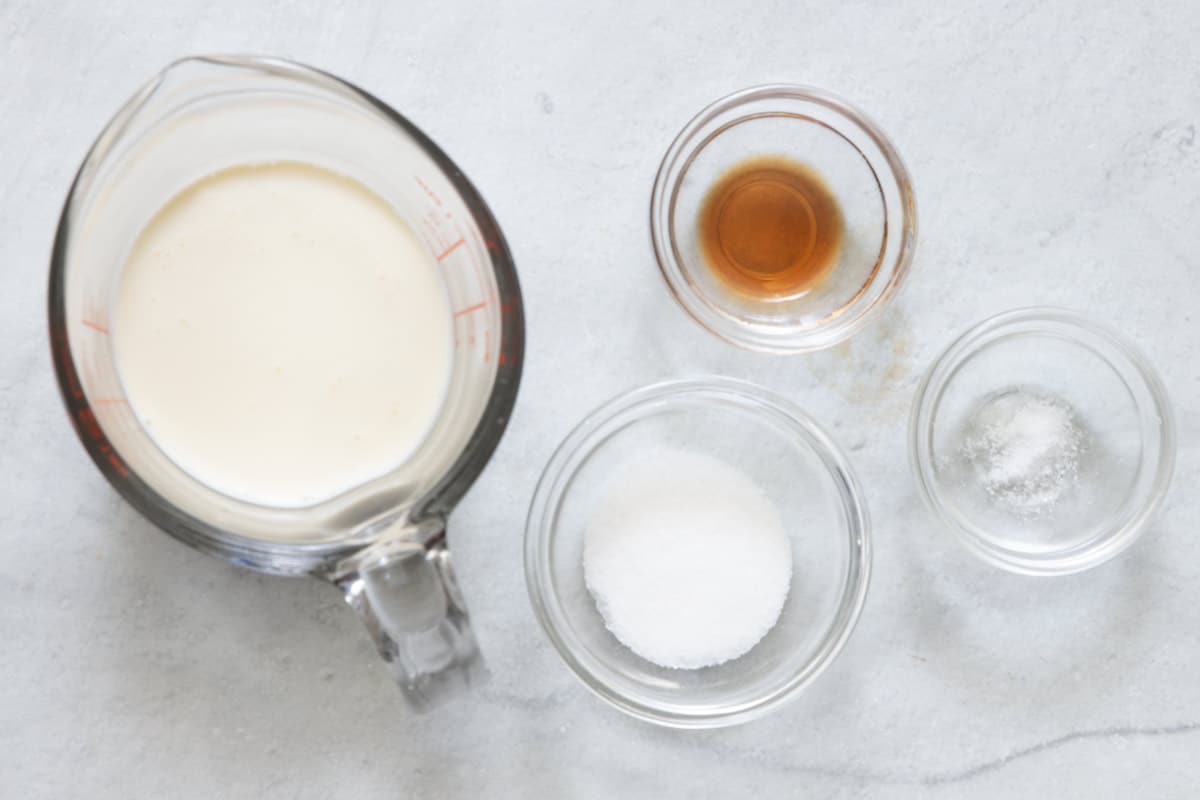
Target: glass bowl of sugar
(1044,440)
(698,552)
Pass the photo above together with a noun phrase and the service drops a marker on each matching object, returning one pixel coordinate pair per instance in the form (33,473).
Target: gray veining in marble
(1053,146)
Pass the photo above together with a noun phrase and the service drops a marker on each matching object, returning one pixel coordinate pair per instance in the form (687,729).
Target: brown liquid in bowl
(771,227)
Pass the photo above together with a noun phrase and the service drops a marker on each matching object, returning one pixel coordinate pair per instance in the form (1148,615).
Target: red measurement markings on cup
(442,256)
(83,418)
(469,309)
(446,238)
(85,422)
(99,327)
(440,224)
(432,195)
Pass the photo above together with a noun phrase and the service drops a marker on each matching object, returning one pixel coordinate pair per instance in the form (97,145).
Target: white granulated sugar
(687,559)
(1025,448)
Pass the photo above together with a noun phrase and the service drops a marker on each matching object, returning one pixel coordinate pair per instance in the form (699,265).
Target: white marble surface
(1053,146)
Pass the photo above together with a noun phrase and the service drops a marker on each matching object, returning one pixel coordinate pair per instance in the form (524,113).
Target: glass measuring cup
(382,543)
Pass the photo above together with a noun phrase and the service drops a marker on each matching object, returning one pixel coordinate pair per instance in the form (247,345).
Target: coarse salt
(687,559)
(1025,447)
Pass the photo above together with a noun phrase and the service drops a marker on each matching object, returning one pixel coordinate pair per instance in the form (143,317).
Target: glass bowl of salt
(698,552)
(1044,440)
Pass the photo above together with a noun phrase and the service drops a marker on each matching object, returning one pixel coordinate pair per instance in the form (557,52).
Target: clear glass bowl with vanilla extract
(783,219)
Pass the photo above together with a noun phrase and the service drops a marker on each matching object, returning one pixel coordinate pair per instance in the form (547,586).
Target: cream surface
(282,333)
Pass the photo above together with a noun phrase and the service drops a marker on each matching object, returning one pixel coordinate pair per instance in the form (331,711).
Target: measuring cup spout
(404,590)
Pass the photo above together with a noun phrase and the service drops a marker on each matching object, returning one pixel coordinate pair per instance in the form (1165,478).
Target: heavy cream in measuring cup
(282,334)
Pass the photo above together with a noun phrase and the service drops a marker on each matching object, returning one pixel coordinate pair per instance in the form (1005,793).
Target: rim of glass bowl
(894,261)
(1023,322)
(592,432)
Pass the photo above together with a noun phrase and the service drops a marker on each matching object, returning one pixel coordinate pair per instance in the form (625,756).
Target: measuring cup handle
(407,596)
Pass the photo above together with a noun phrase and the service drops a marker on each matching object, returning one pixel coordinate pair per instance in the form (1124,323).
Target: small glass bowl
(1126,428)
(803,473)
(860,166)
